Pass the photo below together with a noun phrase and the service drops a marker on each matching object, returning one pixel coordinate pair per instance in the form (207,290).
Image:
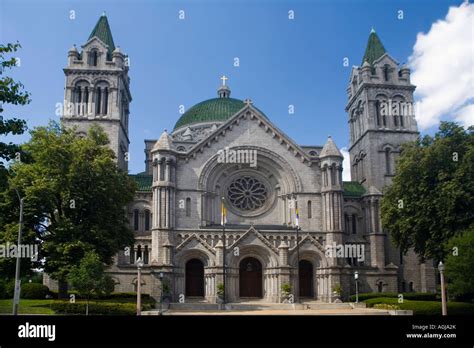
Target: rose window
(247,193)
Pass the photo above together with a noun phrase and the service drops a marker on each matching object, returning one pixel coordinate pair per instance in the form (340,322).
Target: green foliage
(286,288)
(435,184)
(34,291)
(74,198)
(425,307)
(337,289)
(88,277)
(116,296)
(386,306)
(220,289)
(11,92)
(98,308)
(460,265)
(420,296)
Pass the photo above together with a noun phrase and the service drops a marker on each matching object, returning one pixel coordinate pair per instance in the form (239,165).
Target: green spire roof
(103,33)
(374,49)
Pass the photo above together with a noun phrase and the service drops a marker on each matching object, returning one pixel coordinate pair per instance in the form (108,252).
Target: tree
(75,198)
(88,278)
(11,92)
(432,194)
(460,265)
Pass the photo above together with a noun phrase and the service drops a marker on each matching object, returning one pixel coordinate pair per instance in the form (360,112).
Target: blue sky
(174,62)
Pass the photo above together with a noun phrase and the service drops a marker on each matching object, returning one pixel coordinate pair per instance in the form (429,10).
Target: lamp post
(443,290)
(356,277)
(16,296)
(161,295)
(139,286)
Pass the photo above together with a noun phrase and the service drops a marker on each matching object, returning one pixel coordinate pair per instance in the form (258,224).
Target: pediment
(195,242)
(308,243)
(386,59)
(252,114)
(253,237)
(96,42)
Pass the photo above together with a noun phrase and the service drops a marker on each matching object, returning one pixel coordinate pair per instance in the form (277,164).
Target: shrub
(386,306)
(425,307)
(3,293)
(98,308)
(34,291)
(112,296)
(420,296)
(220,289)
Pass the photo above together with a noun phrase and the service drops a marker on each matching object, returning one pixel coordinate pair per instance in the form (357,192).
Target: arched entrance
(250,278)
(194,278)
(306,279)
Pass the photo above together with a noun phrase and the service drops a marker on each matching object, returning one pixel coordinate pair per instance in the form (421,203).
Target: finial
(103,13)
(248,101)
(372,30)
(166,131)
(329,136)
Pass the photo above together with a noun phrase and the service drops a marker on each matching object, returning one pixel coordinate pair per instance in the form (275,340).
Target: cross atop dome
(224,90)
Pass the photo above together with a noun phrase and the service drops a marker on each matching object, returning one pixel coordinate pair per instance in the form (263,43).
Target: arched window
(386,72)
(98,100)
(162,170)
(139,253)
(380,286)
(310,212)
(188,206)
(346,222)
(388,168)
(132,255)
(147,220)
(146,255)
(135,219)
(105,101)
(377,113)
(333,175)
(93,58)
(354,223)
(410,287)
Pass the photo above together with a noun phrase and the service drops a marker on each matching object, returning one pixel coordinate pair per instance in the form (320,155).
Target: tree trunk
(62,289)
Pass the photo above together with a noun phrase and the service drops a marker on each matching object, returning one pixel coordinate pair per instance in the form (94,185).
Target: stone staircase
(203,306)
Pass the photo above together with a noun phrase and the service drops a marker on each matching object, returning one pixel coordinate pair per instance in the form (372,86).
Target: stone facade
(283,210)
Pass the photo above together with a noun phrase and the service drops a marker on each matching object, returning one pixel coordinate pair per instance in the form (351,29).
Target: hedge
(112,296)
(98,308)
(34,291)
(419,296)
(425,307)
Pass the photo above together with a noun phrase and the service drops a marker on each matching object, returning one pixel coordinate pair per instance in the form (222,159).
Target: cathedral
(226,192)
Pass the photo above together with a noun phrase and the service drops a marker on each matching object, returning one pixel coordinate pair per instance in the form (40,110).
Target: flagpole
(223,221)
(297,254)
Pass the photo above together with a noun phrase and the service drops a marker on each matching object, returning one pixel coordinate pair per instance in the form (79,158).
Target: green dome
(217,109)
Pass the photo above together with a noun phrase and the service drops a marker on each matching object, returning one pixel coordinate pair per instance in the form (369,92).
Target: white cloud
(346,165)
(442,66)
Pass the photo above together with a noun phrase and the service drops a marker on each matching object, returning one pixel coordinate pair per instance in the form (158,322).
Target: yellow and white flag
(223,214)
(297,214)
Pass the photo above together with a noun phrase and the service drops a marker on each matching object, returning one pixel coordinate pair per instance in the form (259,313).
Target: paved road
(357,311)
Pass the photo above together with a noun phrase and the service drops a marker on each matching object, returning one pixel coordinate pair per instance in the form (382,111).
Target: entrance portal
(194,278)
(306,279)
(250,277)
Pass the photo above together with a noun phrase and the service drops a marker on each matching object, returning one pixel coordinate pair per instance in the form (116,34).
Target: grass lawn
(44,306)
(425,307)
(27,307)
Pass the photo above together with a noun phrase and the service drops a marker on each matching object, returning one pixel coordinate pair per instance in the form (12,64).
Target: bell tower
(381,115)
(98,89)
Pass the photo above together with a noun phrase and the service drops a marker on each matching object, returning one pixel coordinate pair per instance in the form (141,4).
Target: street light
(443,290)
(139,286)
(356,277)
(161,295)
(16,296)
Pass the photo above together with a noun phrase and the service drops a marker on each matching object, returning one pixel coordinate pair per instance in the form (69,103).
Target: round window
(247,193)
